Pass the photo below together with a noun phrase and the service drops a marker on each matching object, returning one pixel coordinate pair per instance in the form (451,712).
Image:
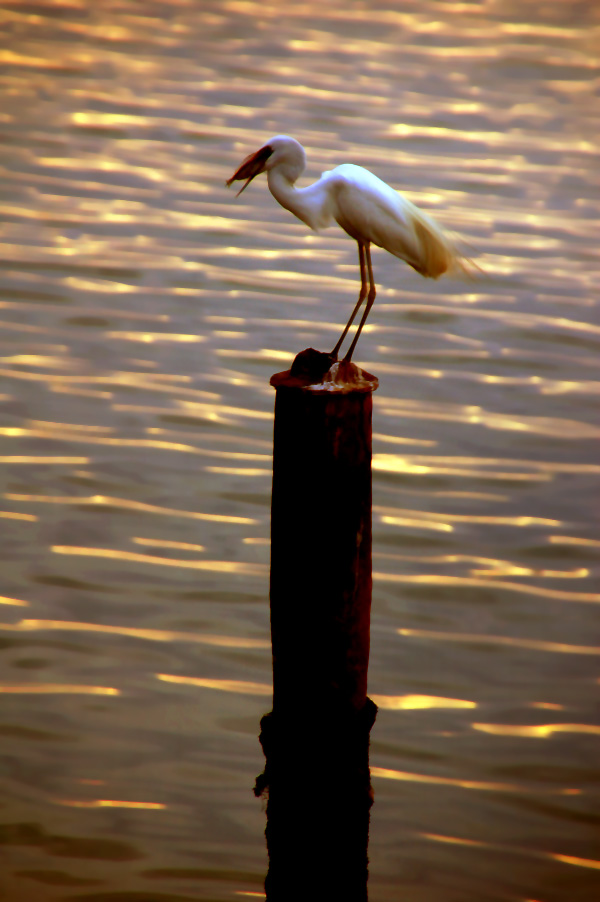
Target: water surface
(143,311)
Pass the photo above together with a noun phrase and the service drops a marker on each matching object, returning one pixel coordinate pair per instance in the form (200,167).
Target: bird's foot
(345,376)
(316,371)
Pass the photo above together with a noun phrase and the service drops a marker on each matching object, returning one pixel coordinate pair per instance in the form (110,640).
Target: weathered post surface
(316,739)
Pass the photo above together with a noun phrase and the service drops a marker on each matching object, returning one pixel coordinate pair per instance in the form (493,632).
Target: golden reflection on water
(144,310)
(388,774)
(127,504)
(574,540)
(214,413)
(238,471)
(55,689)
(515,850)
(18,602)
(467,518)
(42,459)
(112,803)
(419,702)
(420,463)
(166,543)
(575,861)
(392,463)
(132,556)
(79,392)
(416,523)
(514,641)
(242,687)
(73,436)
(502,568)
(153,337)
(549,426)
(541,731)
(153,635)
(432,579)
(492,567)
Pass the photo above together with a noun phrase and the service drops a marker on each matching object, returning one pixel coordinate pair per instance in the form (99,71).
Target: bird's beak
(251,167)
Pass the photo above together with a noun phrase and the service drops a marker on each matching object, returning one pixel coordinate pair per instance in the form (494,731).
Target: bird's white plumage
(370,210)
(365,207)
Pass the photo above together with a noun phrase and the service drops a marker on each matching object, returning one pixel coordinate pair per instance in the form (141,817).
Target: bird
(365,207)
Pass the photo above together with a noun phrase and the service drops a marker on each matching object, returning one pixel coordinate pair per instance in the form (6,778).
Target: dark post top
(321,534)
(315,371)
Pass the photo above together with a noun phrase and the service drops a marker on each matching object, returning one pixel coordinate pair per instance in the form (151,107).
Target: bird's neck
(297,200)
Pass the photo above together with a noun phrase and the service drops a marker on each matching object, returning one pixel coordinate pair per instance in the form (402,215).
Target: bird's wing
(370,210)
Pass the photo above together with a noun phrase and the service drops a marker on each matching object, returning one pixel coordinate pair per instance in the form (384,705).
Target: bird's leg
(370,299)
(363,293)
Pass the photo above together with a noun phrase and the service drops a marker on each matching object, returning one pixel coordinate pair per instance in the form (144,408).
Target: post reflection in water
(142,314)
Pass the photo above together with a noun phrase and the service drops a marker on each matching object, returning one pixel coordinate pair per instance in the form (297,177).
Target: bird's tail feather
(439,252)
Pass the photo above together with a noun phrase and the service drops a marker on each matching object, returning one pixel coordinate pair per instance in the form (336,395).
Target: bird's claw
(344,376)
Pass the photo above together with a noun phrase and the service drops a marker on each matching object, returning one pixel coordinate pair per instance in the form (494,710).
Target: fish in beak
(251,167)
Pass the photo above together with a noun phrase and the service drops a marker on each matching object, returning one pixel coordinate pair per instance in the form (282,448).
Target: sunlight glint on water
(143,310)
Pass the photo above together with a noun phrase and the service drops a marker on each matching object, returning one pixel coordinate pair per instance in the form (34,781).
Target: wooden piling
(316,738)
(320,542)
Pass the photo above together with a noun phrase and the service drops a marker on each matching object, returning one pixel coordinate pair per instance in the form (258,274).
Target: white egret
(364,206)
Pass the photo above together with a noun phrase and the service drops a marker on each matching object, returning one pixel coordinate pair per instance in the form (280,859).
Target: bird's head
(280,151)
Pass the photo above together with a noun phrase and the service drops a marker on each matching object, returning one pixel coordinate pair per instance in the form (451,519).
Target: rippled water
(143,312)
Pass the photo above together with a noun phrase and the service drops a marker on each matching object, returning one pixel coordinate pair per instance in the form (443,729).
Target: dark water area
(143,310)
